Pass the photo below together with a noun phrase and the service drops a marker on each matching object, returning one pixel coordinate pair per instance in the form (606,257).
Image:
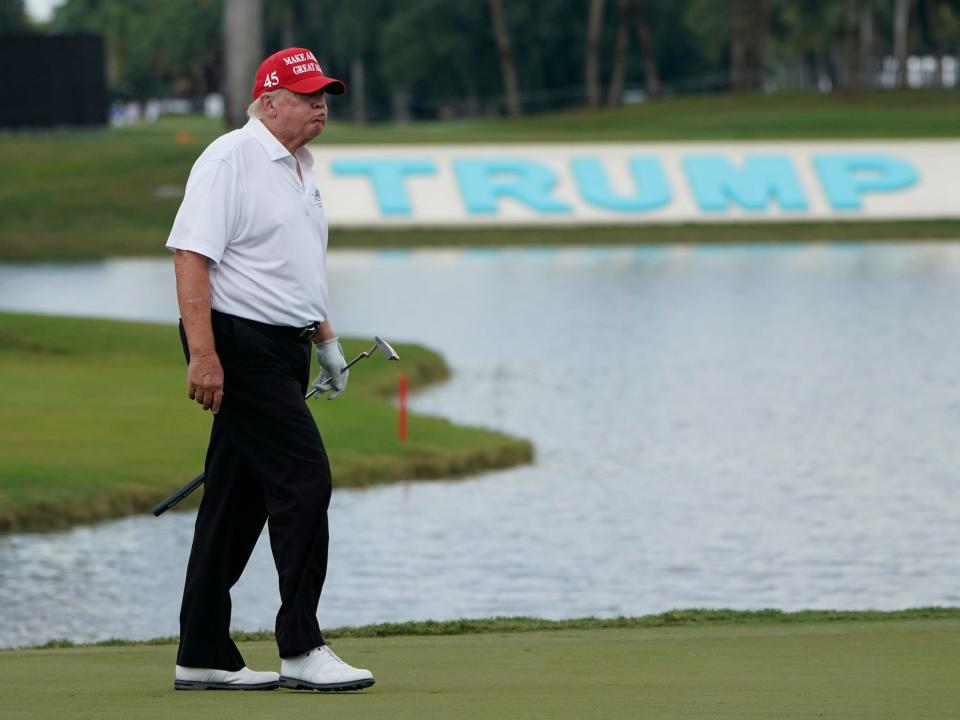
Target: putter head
(385,348)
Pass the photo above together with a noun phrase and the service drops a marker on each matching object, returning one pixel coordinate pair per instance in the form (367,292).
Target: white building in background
(921,71)
(213,105)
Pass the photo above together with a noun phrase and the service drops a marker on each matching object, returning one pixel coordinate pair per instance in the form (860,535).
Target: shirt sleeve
(208,215)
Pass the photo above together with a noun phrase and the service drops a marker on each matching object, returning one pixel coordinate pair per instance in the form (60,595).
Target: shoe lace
(326,649)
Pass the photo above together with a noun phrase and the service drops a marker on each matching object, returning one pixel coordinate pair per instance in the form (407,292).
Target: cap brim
(312,85)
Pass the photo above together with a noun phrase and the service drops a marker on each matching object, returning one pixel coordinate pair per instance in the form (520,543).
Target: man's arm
(205,374)
(324,332)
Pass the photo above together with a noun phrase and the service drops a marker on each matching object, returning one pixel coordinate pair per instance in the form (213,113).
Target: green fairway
(91,194)
(778,116)
(96,422)
(898,669)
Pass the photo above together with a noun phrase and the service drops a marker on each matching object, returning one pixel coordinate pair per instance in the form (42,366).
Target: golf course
(84,195)
(713,664)
(96,425)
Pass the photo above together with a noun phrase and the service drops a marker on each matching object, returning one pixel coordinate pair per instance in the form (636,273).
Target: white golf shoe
(188,678)
(321,669)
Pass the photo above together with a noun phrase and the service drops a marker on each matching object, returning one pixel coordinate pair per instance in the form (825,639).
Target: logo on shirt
(316,198)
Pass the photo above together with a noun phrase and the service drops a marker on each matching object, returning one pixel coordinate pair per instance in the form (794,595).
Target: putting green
(903,669)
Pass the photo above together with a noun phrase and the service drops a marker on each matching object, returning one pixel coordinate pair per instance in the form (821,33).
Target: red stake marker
(402,409)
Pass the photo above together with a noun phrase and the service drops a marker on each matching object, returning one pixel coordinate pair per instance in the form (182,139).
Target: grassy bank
(671,618)
(96,422)
(79,195)
(900,668)
(654,234)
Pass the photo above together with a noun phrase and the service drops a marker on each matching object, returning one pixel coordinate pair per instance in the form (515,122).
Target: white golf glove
(333,375)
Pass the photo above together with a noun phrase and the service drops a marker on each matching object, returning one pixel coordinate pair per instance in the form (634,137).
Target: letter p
(846,177)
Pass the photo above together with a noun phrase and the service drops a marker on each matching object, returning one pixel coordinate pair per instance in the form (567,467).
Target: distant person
(151,111)
(251,245)
(131,113)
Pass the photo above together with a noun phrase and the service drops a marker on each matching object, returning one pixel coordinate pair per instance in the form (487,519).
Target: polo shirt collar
(273,147)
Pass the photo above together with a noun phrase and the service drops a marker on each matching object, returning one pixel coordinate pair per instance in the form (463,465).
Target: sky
(42,9)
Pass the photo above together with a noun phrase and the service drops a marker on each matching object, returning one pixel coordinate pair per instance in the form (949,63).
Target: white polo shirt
(265,231)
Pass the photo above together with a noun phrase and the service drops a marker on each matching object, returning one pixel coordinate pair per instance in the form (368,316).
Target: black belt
(285,331)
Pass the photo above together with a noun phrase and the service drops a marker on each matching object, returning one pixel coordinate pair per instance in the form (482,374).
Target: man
(251,240)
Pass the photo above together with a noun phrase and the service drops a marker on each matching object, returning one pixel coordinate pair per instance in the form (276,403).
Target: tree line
(457,58)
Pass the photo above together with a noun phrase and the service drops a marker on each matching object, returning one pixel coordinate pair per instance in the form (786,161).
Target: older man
(251,243)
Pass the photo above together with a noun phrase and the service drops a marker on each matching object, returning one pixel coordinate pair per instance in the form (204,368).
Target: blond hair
(255,109)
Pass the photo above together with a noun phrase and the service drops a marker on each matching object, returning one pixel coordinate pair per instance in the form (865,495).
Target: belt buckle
(308,332)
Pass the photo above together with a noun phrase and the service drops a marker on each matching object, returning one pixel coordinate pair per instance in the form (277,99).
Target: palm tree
(591,70)
(749,28)
(650,68)
(936,37)
(620,46)
(866,45)
(901,34)
(243,52)
(508,68)
(850,71)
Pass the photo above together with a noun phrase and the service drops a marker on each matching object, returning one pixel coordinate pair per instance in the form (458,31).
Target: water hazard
(733,427)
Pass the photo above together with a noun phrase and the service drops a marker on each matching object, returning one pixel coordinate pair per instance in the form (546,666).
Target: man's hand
(205,381)
(330,358)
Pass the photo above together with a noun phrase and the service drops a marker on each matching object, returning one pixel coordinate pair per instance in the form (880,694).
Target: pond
(743,427)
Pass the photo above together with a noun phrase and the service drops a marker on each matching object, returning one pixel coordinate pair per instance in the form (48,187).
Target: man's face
(299,118)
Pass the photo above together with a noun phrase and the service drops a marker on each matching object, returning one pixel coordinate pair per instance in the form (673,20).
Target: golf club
(317,387)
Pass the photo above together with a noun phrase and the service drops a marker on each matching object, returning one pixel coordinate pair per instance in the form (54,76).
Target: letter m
(717,184)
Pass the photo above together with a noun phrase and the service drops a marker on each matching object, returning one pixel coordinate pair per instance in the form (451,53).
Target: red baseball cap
(295,69)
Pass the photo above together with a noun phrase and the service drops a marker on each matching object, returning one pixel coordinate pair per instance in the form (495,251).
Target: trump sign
(450,185)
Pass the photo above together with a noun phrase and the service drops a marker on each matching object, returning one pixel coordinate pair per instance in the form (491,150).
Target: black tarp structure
(52,80)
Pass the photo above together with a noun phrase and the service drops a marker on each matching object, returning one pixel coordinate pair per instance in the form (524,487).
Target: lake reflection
(715,427)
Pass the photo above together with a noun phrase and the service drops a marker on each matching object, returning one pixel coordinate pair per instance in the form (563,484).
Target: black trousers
(265,463)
